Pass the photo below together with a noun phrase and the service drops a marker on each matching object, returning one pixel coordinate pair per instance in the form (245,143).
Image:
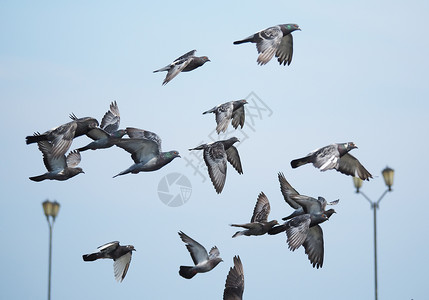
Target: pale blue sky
(359,73)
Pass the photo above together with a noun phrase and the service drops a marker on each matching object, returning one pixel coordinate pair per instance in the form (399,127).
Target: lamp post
(51,211)
(388,179)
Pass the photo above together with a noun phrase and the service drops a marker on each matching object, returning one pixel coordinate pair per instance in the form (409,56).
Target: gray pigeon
(203,261)
(334,156)
(62,136)
(108,134)
(273,40)
(259,224)
(232,110)
(145,149)
(185,63)
(215,156)
(302,227)
(61,168)
(234,285)
(121,256)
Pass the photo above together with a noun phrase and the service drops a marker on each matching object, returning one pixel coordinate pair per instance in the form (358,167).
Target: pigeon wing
(186,55)
(214,252)
(63,138)
(223,116)
(121,265)
(73,159)
(51,163)
(309,204)
(262,209)
(197,251)
(287,190)
(97,134)
(215,159)
(141,150)
(234,285)
(176,68)
(313,246)
(144,134)
(285,50)
(268,44)
(297,230)
(111,119)
(238,117)
(109,246)
(349,165)
(234,159)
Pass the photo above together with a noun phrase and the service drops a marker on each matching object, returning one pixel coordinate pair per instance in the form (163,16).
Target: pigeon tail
(246,40)
(35,138)
(38,178)
(166,68)
(90,257)
(187,272)
(300,161)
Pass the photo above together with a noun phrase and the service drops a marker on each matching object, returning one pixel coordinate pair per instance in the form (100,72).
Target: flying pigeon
(273,40)
(62,136)
(335,156)
(232,110)
(185,63)
(259,224)
(121,256)
(108,134)
(203,262)
(61,168)
(234,285)
(145,149)
(215,156)
(302,227)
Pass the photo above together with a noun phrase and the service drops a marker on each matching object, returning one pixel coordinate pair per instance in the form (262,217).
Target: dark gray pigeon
(273,40)
(61,168)
(232,110)
(185,63)
(302,227)
(334,156)
(121,256)
(203,261)
(62,136)
(108,134)
(234,285)
(145,149)
(259,224)
(216,155)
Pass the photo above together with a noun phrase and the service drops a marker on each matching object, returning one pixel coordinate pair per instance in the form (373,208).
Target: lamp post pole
(388,178)
(51,210)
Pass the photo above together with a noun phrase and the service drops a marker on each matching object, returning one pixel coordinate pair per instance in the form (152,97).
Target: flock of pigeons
(302,227)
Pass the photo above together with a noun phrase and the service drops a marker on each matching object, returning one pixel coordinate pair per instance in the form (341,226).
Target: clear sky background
(359,73)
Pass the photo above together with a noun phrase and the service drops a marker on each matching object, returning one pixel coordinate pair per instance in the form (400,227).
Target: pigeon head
(329,213)
(171,154)
(350,146)
(288,28)
(205,59)
(346,147)
(229,142)
(119,133)
(131,247)
(239,103)
(75,171)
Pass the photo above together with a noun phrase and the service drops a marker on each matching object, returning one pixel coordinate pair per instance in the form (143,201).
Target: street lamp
(388,180)
(51,211)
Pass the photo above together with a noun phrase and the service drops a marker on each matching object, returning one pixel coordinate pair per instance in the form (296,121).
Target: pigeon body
(59,168)
(145,149)
(234,285)
(232,110)
(203,261)
(108,134)
(335,156)
(216,155)
(185,63)
(302,226)
(259,224)
(62,136)
(121,256)
(276,40)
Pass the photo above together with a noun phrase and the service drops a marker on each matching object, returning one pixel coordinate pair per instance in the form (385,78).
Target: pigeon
(215,156)
(62,136)
(234,285)
(145,149)
(225,112)
(302,226)
(273,40)
(185,63)
(61,168)
(203,262)
(121,256)
(335,156)
(107,134)
(259,224)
